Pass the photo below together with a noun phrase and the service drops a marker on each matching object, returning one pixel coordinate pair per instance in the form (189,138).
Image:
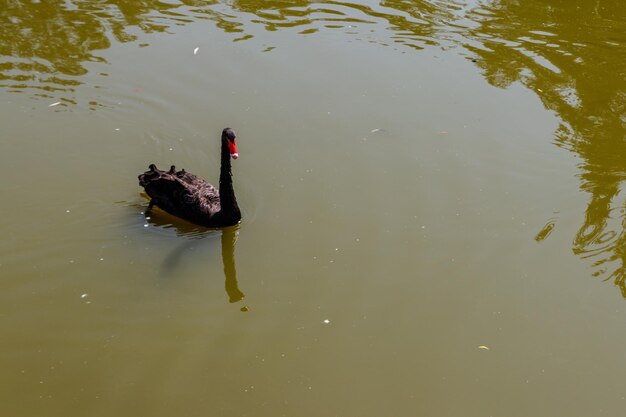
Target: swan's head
(229,136)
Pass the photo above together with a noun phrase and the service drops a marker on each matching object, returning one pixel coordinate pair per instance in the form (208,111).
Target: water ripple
(572,58)
(45,47)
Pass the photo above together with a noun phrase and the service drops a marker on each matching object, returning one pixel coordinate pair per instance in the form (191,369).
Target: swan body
(184,195)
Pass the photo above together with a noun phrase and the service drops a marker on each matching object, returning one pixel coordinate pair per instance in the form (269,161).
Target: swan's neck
(228,202)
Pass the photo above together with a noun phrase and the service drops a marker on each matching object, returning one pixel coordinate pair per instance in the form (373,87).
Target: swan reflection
(229,239)
(200,236)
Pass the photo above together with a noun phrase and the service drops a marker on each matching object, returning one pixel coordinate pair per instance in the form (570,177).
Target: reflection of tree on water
(44,45)
(413,23)
(195,235)
(574,59)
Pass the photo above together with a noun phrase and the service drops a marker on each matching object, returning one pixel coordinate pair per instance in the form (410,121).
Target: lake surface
(433,199)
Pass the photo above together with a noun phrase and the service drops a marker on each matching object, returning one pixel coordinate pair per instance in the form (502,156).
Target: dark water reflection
(571,54)
(44,46)
(196,240)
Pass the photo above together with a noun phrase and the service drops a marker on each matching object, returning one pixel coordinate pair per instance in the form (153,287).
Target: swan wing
(181,194)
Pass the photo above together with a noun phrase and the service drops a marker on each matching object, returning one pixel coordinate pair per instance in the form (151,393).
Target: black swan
(184,195)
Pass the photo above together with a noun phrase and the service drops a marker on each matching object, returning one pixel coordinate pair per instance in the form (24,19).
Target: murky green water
(433,208)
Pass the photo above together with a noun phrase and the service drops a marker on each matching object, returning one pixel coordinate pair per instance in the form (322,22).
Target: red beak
(232,146)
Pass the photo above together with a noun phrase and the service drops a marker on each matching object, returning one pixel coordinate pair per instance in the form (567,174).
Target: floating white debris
(483,347)
(54,104)
(83,295)
(195,51)
(117,129)
(375,130)
(145,225)
(67,211)
(102,259)
(326,321)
